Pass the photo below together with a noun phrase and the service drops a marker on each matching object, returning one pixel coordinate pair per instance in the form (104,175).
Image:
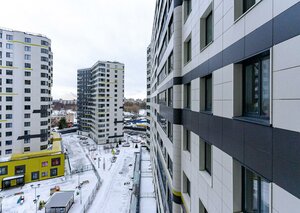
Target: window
(8,116)
(205,156)
(27,57)
(9,72)
(242,6)
(8,142)
(35,175)
(170,62)
(27,115)
(202,208)
(26,149)
(170,96)
(45,43)
(27,82)
(256,86)
(206,93)
(3,170)
(53,172)
(44,174)
(27,107)
(45,163)
(26,123)
(9,107)
(27,98)
(44,51)
(9,89)
(19,170)
(9,37)
(27,73)
(9,98)
(188,50)
(8,125)
(9,81)
(8,151)
(170,166)
(27,48)
(27,40)
(7,134)
(170,131)
(187,8)
(9,55)
(187,140)
(27,65)
(255,192)
(187,91)
(27,90)
(170,28)
(186,185)
(9,63)
(55,162)
(206,28)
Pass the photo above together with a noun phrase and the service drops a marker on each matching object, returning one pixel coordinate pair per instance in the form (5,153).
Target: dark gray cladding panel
(286,160)
(172,115)
(258,148)
(259,40)
(190,121)
(215,130)
(286,24)
(177,3)
(234,53)
(215,62)
(233,138)
(203,130)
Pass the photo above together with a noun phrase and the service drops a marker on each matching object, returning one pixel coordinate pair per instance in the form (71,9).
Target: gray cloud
(83,32)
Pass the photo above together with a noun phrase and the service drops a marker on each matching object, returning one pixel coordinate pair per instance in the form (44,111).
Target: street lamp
(36,197)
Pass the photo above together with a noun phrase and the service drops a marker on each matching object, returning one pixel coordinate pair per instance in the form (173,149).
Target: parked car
(126,144)
(113,159)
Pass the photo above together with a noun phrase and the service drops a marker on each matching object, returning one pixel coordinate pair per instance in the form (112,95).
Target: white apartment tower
(25,91)
(100,99)
(224,103)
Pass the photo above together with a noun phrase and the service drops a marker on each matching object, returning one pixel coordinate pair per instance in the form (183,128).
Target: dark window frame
(256,59)
(208,21)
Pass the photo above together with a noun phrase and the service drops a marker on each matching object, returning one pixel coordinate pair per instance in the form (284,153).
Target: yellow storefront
(34,166)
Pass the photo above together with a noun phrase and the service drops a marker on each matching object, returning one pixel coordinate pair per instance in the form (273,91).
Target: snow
(9,203)
(114,195)
(147,195)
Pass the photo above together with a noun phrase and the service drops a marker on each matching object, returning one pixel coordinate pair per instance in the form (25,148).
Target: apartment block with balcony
(100,101)
(224,105)
(26,73)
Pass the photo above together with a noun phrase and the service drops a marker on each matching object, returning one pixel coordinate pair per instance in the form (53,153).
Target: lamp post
(36,197)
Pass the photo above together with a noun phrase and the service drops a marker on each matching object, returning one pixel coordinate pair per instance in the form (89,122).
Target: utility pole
(36,197)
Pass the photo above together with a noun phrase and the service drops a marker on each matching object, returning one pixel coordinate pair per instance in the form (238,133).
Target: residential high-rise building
(25,91)
(224,105)
(100,101)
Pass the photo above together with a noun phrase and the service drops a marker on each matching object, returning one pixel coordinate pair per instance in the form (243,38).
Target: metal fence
(92,196)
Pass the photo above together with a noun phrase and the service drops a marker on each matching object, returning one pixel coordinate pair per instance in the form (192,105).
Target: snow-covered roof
(12,177)
(60,199)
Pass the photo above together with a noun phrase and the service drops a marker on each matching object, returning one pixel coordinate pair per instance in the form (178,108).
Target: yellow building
(34,166)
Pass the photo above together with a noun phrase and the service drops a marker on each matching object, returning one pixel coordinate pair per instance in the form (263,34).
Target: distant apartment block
(223,99)
(100,91)
(25,92)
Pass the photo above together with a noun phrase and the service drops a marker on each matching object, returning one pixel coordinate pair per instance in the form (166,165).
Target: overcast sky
(84,31)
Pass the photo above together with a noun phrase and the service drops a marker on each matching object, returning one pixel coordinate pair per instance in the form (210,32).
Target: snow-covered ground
(115,191)
(9,203)
(147,194)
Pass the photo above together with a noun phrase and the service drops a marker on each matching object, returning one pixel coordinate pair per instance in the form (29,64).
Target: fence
(84,168)
(92,196)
